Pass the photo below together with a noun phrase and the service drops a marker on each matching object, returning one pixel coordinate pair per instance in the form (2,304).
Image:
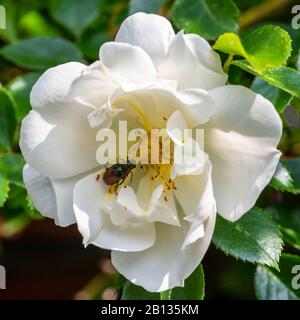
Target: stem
(261,11)
(165,295)
(227,63)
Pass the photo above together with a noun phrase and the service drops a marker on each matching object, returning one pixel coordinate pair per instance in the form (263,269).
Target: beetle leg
(116,188)
(131,176)
(123,181)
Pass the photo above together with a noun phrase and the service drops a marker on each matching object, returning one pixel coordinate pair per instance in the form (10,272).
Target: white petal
(128,61)
(189,159)
(188,156)
(53,86)
(132,238)
(95,224)
(176,127)
(41,191)
(165,265)
(152,106)
(88,196)
(241,141)
(53,198)
(127,209)
(195,233)
(58,145)
(193,63)
(199,105)
(93,87)
(102,117)
(195,195)
(148,31)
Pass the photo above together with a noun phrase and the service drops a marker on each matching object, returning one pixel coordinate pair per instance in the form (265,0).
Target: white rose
(158,228)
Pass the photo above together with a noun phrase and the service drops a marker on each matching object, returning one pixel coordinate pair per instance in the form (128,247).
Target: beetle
(117,173)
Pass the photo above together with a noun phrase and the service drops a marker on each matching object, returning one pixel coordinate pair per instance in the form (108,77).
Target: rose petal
(241,141)
(192,62)
(95,224)
(128,61)
(148,31)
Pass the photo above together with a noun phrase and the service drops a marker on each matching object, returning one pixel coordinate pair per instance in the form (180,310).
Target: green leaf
(4,189)
(193,288)
(20,88)
(11,166)
(255,238)
(41,53)
(31,211)
(75,15)
(145,6)
(284,285)
(293,165)
(209,18)
(282,180)
(8,122)
(90,44)
(287,217)
(266,47)
(278,97)
(230,43)
(283,78)
(34,24)
(133,292)
(15,220)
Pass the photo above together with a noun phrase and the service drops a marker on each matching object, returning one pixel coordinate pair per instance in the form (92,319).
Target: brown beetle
(117,173)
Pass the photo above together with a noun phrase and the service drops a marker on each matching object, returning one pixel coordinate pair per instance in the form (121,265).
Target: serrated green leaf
(266,47)
(41,53)
(282,180)
(16,202)
(287,217)
(284,285)
(145,6)
(11,166)
(293,166)
(283,78)
(209,18)
(278,97)
(133,292)
(8,121)
(31,211)
(20,88)
(4,189)
(254,238)
(75,15)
